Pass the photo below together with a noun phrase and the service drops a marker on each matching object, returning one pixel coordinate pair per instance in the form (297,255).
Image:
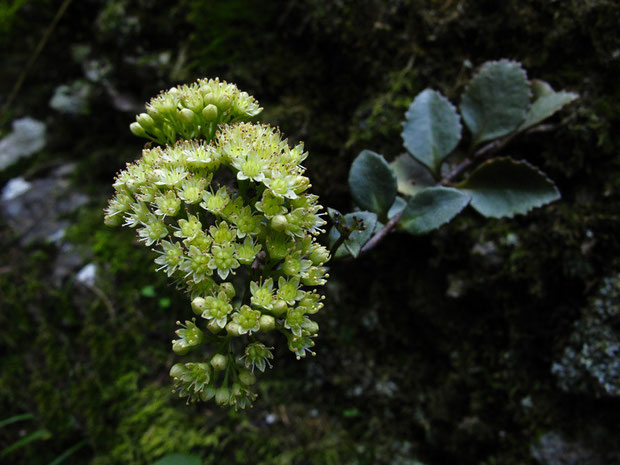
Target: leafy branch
(414,195)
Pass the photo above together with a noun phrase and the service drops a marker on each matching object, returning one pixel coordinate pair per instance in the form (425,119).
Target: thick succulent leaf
(411,177)
(546,103)
(504,187)
(372,182)
(432,207)
(353,245)
(496,100)
(432,129)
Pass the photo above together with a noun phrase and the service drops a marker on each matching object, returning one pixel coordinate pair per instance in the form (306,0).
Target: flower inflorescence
(232,221)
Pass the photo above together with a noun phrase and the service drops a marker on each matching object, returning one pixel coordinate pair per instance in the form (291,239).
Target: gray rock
(590,362)
(72,99)
(26,138)
(553,449)
(35,209)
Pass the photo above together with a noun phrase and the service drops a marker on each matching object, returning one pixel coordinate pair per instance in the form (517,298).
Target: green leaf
(432,207)
(546,103)
(353,245)
(432,129)
(66,454)
(397,207)
(504,187)
(16,418)
(372,182)
(179,459)
(411,177)
(496,100)
(41,434)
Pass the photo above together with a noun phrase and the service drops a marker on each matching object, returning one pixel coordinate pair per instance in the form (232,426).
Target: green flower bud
(267,323)
(279,307)
(209,113)
(186,115)
(214,327)
(145,120)
(208,393)
(199,305)
(233,329)
(137,129)
(177,370)
(229,289)
(279,222)
(246,377)
(222,396)
(319,255)
(219,362)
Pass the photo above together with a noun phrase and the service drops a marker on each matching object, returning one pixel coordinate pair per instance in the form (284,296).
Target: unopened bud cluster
(232,220)
(193,111)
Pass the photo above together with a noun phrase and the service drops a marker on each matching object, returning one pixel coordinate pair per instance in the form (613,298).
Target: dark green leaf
(496,100)
(432,129)
(179,459)
(66,454)
(358,238)
(372,182)
(16,418)
(504,187)
(432,207)
(411,177)
(41,434)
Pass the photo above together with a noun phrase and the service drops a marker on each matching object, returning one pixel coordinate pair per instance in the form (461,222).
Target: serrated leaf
(496,100)
(411,177)
(372,182)
(504,187)
(545,106)
(432,129)
(432,207)
(353,245)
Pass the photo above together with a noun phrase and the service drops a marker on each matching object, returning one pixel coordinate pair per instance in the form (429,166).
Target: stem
(487,150)
(40,46)
(382,233)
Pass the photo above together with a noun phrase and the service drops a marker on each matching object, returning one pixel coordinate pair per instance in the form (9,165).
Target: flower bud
(246,377)
(137,129)
(208,393)
(319,255)
(177,370)
(267,323)
(186,115)
(233,329)
(113,220)
(279,307)
(209,113)
(279,222)
(145,120)
(219,362)
(311,327)
(199,305)
(214,327)
(229,289)
(222,396)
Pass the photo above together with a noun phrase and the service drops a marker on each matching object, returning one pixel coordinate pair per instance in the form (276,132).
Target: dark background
(453,347)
